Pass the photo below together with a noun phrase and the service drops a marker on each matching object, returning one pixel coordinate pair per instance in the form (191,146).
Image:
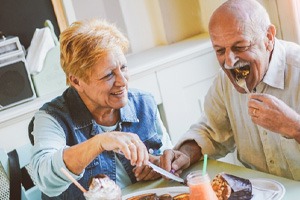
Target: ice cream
(103,188)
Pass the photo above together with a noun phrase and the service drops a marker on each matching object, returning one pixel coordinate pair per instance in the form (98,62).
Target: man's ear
(271,32)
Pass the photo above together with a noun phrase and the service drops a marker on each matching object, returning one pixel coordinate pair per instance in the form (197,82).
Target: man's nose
(230,59)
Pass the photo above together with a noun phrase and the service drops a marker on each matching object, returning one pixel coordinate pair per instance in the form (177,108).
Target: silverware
(242,83)
(166,173)
(159,170)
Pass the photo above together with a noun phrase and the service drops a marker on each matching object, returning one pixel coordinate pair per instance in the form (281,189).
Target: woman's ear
(75,82)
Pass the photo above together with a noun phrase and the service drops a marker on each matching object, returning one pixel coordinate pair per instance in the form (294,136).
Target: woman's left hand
(145,172)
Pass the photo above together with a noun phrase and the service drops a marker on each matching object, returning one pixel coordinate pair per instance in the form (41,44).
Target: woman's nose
(121,78)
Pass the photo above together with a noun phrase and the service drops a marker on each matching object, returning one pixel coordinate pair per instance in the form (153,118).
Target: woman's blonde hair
(83,43)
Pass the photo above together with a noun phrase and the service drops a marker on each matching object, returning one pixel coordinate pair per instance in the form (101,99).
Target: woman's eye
(108,76)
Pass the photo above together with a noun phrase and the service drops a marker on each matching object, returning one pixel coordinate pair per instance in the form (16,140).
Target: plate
(266,189)
(173,191)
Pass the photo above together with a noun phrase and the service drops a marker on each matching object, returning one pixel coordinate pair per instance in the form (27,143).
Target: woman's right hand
(128,143)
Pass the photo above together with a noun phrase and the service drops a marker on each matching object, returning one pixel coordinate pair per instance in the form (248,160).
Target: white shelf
(21,111)
(139,64)
(158,56)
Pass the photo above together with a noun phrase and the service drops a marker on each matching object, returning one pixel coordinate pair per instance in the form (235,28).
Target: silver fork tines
(242,83)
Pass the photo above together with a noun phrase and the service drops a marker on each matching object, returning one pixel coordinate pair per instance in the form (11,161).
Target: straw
(204,164)
(72,179)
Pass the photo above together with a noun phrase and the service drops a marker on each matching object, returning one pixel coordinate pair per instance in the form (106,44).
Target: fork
(242,83)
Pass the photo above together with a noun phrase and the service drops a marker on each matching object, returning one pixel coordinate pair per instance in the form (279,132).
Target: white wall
(147,23)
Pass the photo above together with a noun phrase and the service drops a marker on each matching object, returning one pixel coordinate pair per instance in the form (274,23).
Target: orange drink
(200,186)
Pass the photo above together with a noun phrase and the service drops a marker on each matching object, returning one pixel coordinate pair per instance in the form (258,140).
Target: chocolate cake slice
(230,187)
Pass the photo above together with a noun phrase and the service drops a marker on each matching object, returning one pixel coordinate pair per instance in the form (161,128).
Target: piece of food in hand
(101,187)
(230,187)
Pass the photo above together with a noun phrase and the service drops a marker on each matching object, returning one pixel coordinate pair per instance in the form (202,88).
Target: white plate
(266,189)
(173,191)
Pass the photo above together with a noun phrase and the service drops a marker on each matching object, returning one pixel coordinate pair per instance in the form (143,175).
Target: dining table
(214,167)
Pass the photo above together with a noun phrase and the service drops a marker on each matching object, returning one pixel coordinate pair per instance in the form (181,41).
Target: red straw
(73,180)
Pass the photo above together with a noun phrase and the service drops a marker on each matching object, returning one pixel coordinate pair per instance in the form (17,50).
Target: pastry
(230,187)
(242,72)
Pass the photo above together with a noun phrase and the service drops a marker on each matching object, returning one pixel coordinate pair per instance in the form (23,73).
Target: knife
(158,169)
(165,173)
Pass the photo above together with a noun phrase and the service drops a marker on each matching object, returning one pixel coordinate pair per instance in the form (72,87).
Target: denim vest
(138,116)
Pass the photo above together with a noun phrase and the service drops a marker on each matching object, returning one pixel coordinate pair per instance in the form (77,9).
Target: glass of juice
(200,186)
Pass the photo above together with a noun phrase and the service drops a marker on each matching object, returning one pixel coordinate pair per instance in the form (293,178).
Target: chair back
(29,190)
(4,179)
(17,168)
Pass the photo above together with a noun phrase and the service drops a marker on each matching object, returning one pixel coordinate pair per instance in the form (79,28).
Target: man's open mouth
(241,72)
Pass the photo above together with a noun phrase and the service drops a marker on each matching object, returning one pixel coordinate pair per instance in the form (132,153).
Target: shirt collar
(82,116)
(128,112)
(275,74)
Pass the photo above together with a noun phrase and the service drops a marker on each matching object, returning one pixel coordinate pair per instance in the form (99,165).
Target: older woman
(95,117)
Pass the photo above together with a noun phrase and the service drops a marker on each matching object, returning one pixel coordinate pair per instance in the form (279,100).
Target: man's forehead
(229,41)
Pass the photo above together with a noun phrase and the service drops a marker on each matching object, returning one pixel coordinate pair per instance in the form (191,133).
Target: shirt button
(151,151)
(265,133)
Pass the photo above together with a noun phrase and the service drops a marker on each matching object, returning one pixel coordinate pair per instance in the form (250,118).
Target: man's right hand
(174,161)
(177,160)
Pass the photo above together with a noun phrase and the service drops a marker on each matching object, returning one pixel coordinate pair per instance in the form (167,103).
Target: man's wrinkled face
(239,53)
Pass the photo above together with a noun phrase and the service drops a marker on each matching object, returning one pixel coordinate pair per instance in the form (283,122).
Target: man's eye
(124,68)
(241,48)
(220,51)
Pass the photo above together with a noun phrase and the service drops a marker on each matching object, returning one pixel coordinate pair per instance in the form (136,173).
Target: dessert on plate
(154,196)
(225,186)
(230,187)
(103,188)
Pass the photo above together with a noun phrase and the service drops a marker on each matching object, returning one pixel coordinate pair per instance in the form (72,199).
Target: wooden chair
(16,166)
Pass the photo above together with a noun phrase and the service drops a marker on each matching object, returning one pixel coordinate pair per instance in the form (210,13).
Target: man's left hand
(275,115)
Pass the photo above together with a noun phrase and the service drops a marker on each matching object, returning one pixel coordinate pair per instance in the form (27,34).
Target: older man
(254,103)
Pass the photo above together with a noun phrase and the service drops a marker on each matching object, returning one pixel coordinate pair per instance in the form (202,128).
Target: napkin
(41,43)
(263,193)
